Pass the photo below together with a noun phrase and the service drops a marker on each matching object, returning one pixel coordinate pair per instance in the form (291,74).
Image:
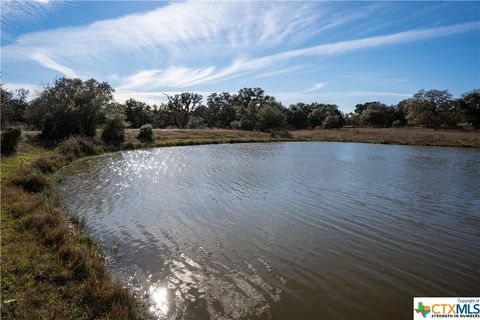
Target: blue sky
(332,52)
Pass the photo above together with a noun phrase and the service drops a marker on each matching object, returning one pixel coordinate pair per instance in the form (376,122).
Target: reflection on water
(285,230)
(158,295)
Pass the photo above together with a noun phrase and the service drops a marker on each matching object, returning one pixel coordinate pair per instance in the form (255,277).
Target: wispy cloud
(189,77)
(47,62)
(316,86)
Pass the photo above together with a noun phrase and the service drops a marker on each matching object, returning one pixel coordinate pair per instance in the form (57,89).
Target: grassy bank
(51,268)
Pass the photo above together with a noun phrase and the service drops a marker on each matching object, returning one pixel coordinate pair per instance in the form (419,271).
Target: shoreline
(52,266)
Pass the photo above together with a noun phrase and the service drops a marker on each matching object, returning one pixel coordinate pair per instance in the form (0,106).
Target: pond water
(300,230)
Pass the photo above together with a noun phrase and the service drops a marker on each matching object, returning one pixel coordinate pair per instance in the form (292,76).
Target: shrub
(24,203)
(114,131)
(75,146)
(48,223)
(196,122)
(332,122)
(236,124)
(31,180)
(44,165)
(10,139)
(146,133)
(397,123)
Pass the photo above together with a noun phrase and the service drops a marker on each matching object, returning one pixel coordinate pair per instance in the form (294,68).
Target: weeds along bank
(51,268)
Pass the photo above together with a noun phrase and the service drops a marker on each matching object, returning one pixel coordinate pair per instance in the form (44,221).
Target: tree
(137,113)
(332,122)
(272,117)
(298,115)
(219,110)
(430,108)
(13,106)
(320,112)
(182,106)
(377,114)
(71,107)
(469,105)
(162,117)
(247,103)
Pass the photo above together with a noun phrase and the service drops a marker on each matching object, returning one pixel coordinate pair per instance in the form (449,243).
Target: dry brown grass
(409,136)
(406,136)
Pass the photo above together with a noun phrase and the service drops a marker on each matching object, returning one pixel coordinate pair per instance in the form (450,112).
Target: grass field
(405,136)
(52,269)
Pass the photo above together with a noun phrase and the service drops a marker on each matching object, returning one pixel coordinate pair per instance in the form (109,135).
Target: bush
(10,139)
(146,133)
(44,165)
(75,146)
(332,122)
(196,122)
(114,131)
(397,123)
(31,180)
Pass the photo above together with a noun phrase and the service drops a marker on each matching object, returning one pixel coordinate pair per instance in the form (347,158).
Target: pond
(296,230)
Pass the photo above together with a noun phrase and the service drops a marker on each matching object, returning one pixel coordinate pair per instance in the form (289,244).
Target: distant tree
(320,112)
(377,114)
(71,107)
(272,117)
(430,108)
(219,110)
(137,113)
(359,108)
(162,116)
(333,121)
(182,107)
(13,106)
(196,122)
(247,103)
(297,115)
(400,112)
(469,105)
(352,119)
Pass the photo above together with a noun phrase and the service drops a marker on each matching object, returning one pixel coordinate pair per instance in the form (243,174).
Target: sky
(338,52)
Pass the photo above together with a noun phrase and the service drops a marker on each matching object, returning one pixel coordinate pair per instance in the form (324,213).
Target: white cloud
(47,62)
(184,77)
(175,27)
(174,76)
(316,86)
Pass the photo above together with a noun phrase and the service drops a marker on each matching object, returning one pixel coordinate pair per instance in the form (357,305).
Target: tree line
(76,107)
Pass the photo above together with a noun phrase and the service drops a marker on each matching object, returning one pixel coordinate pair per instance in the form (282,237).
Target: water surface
(285,230)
